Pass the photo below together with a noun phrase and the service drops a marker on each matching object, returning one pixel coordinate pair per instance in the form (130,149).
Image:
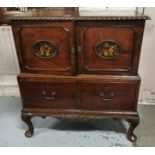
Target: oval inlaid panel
(108,49)
(44,49)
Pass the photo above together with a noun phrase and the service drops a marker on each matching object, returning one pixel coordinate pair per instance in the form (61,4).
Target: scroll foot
(133,124)
(27,119)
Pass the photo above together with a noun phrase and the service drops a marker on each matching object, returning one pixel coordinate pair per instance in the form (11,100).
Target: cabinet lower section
(80,97)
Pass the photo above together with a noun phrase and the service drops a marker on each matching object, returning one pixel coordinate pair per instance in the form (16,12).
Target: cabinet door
(46,48)
(109,47)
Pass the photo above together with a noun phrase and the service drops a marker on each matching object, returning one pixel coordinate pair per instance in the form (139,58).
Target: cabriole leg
(27,119)
(133,124)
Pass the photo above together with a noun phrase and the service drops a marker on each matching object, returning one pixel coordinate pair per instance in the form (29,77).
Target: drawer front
(39,94)
(108,96)
(109,48)
(46,48)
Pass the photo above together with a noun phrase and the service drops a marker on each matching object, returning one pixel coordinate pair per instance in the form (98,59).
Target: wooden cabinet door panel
(108,47)
(46,48)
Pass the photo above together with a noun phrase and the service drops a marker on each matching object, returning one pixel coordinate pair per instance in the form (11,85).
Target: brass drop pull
(106,97)
(49,97)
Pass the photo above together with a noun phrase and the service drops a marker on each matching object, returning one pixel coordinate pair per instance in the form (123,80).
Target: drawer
(46,94)
(109,95)
(108,48)
(46,48)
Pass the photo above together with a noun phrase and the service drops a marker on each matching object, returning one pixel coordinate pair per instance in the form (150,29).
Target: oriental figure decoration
(108,49)
(44,49)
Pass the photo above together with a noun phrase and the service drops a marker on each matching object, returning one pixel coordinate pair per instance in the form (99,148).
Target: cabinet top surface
(74,14)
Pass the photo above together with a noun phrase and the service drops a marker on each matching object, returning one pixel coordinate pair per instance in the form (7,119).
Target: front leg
(133,124)
(27,119)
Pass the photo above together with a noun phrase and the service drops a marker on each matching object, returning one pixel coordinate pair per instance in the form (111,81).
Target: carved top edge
(14,18)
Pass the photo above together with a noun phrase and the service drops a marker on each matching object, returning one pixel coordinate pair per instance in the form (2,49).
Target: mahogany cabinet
(78,66)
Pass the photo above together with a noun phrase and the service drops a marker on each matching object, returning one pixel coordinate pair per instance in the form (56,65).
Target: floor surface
(53,132)
(146,129)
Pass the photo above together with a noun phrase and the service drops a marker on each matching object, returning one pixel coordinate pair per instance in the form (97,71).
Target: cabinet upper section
(65,41)
(84,47)
(70,14)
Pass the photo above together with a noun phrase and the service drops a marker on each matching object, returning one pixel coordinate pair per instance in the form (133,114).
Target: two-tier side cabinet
(78,65)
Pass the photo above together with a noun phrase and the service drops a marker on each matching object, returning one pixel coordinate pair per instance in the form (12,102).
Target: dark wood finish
(91,93)
(1,11)
(133,124)
(27,119)
(82,115)
(126,62)
(2,19)
(47,94)
(76,83)
(57,33)
(77,78)
(108,95)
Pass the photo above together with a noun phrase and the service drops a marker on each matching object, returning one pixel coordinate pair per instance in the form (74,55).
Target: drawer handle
(51,96)
(106,97)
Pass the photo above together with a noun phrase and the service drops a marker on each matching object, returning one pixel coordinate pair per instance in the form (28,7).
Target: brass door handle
(49,97)
(79,49)
(106,97)
(73,51)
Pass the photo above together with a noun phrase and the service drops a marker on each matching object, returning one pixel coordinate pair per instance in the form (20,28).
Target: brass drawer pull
(49,97)
(106,97)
